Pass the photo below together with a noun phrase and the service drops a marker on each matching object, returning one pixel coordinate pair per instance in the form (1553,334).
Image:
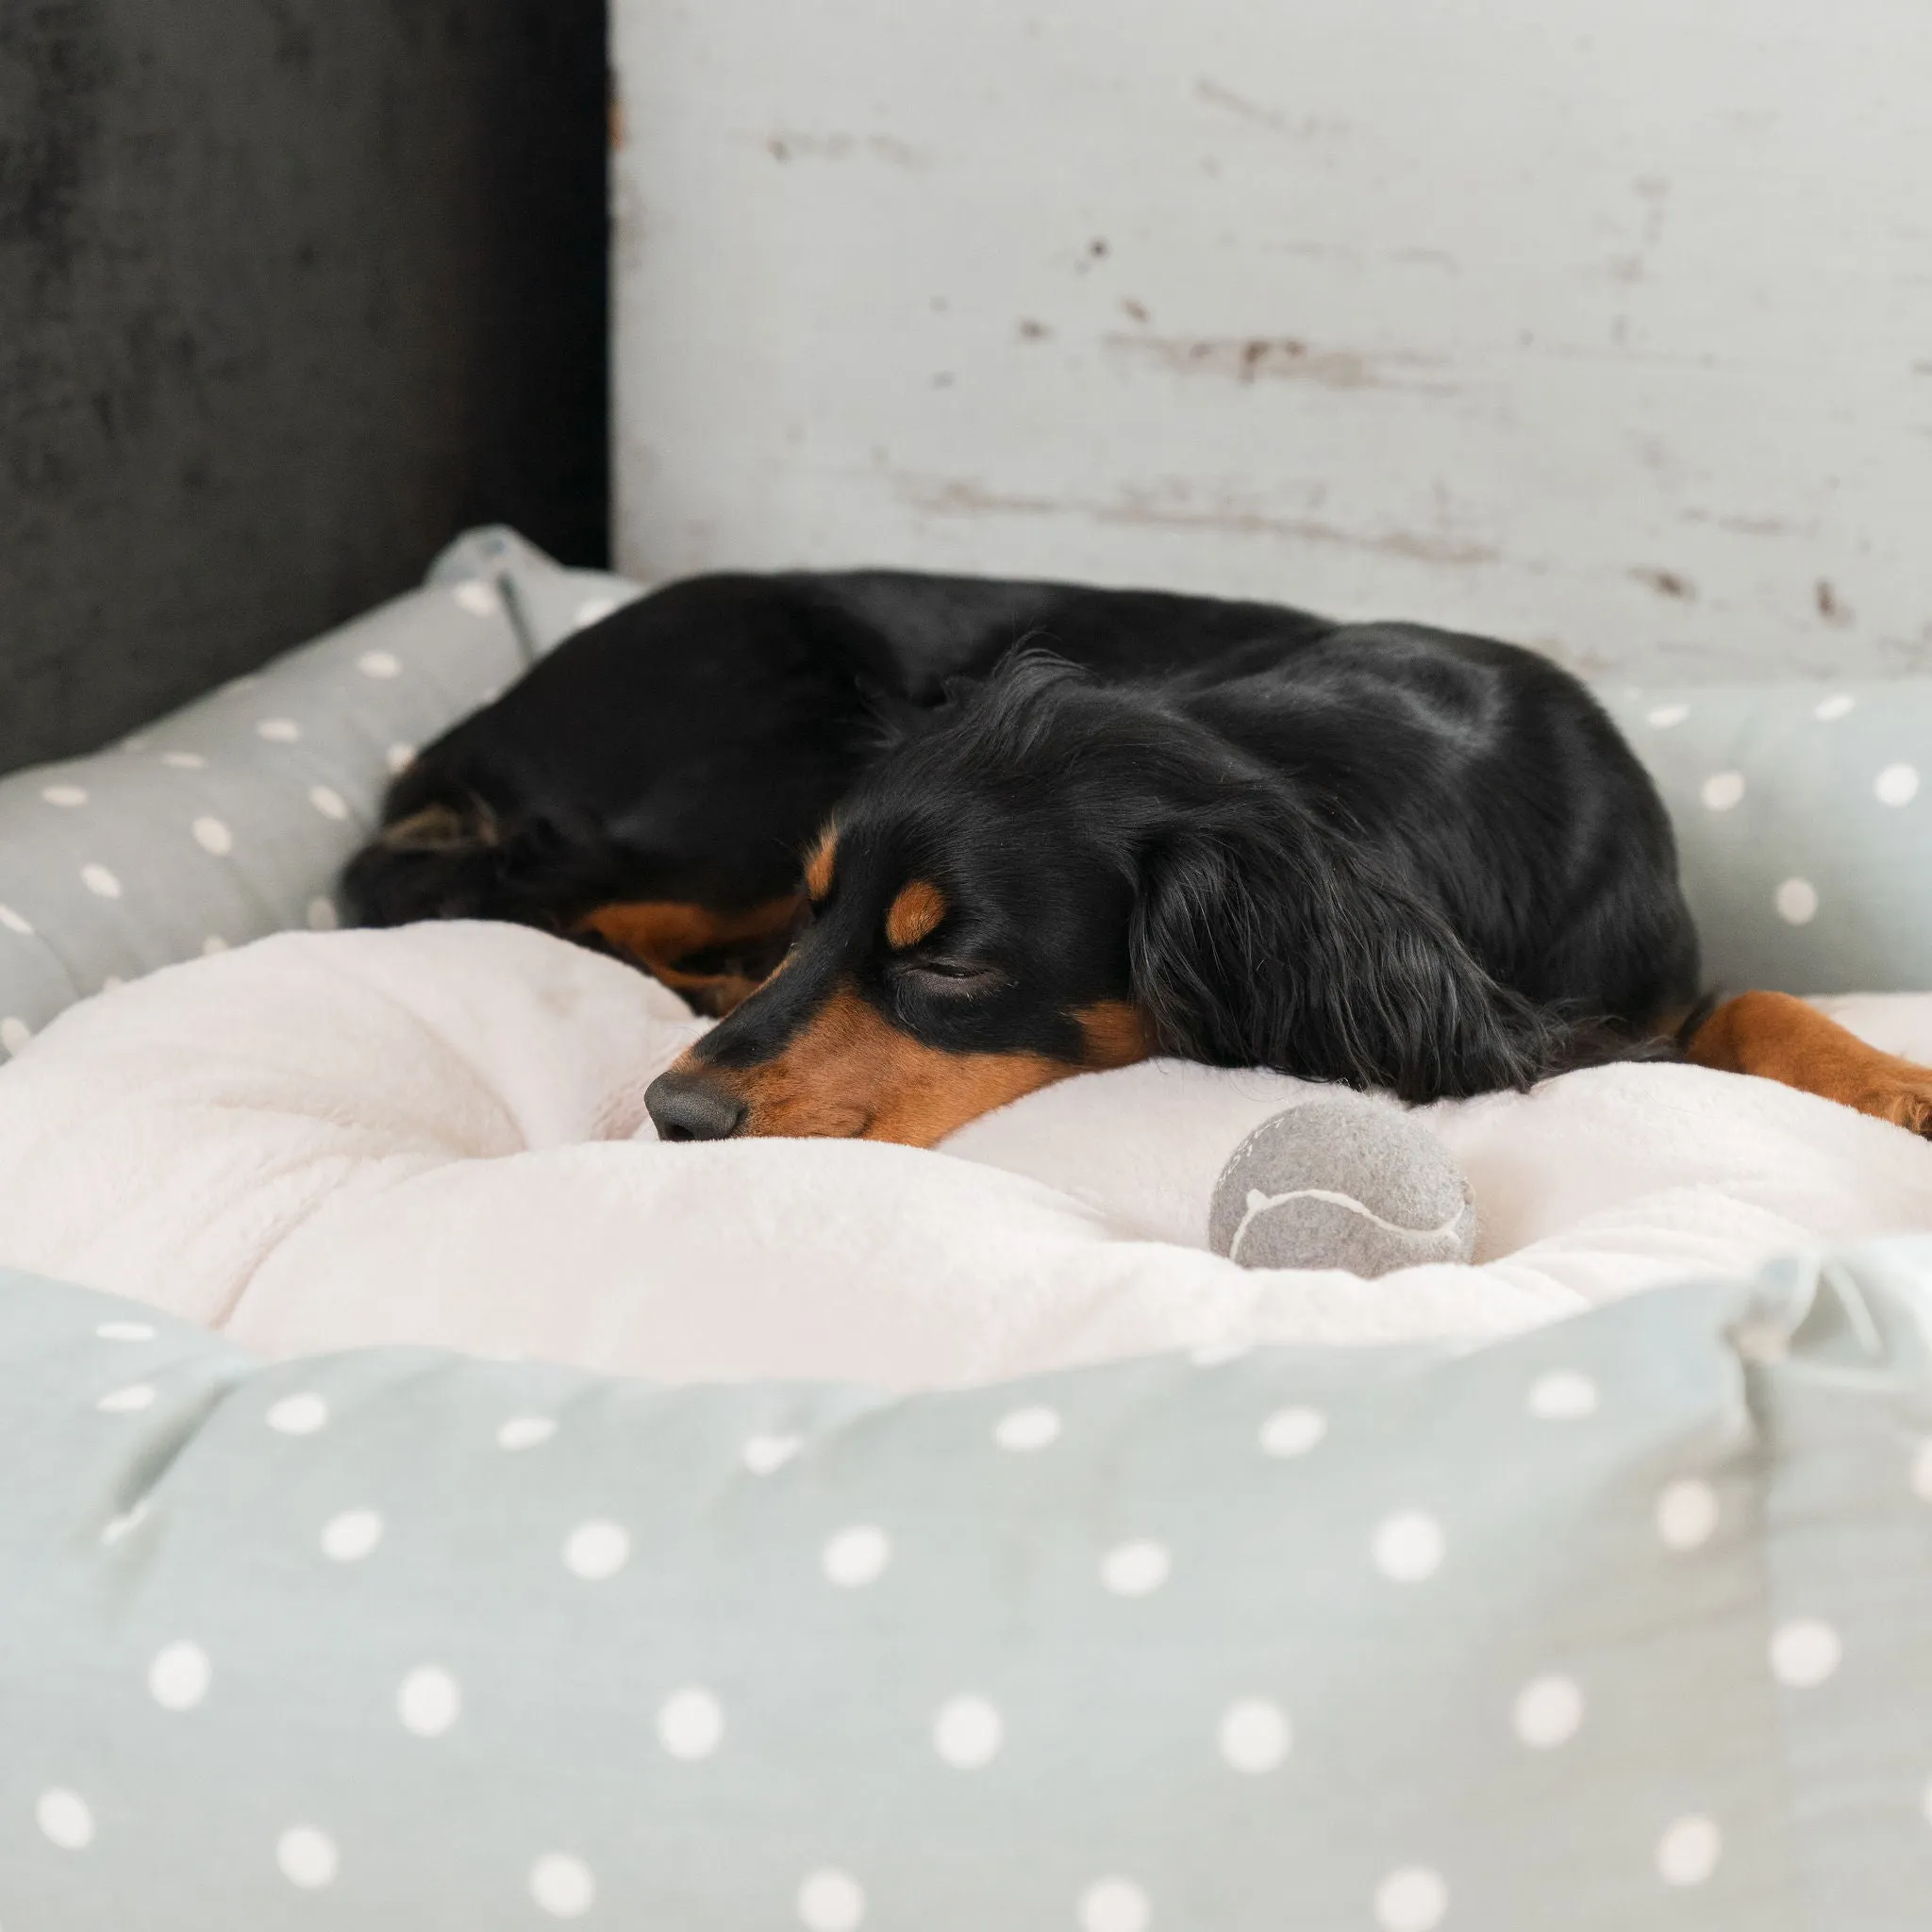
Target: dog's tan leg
(1779,1037)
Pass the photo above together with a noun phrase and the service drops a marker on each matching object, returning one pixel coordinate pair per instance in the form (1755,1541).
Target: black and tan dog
(933,843)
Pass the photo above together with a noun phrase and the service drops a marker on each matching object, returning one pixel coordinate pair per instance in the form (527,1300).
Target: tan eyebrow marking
(818,868)
(914,914)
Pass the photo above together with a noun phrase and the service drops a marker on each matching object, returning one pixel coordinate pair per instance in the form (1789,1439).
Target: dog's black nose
(687,1106)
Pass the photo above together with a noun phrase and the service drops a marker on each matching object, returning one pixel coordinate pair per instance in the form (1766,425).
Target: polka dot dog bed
(1798,807)
(230,817)
(1620,1624)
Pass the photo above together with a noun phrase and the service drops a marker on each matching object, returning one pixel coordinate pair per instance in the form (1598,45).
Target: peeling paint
(1322,272)
(790,143)
(1751,526)
(1309,127)
(1255,358)
(1667,583)
(1162,508)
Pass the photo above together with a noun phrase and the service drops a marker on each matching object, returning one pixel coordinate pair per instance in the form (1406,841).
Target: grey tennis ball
(1342,1183)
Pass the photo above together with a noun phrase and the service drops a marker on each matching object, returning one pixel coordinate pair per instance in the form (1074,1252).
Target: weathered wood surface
(1608,325)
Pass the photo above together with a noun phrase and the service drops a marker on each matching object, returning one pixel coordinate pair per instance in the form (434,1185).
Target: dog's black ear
(1263,941)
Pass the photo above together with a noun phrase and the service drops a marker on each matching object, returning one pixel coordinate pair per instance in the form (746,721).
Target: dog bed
(437,1135)
(1616,1623)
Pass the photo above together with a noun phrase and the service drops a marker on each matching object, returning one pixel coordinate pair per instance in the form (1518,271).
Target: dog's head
(1057,875)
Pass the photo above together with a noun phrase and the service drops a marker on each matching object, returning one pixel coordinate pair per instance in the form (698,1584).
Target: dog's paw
(1903,1095)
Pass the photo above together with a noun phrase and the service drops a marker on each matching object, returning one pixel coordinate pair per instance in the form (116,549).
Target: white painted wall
(1604,324)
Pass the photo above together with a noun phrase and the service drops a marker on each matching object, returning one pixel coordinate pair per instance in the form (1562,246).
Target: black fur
(1379,854)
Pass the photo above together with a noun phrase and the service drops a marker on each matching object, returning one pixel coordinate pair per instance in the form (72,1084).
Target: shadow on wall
(288,294)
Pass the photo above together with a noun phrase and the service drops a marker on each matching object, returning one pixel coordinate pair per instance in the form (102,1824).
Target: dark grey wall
(289,292)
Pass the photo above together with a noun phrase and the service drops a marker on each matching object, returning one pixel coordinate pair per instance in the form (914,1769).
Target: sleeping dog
(931,842)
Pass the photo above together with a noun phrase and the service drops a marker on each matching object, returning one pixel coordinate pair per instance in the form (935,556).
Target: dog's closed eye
(952,978)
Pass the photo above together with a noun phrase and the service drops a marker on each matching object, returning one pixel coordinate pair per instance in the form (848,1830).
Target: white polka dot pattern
(180,1675)
(1688,1852)
(1686,1513)
(68,795)
(184,760)
(968,1732)
(328,802)
(525,1432)
(1290,1432)
(1804,1652)
(351,1536)
(1797,902)
(279,730)
(1829,710)
(65,1819)
(597,1551)
(102,883)
(1896,784)
(562,1885)
(1136,1569)
(428,1701)
(857,1557)
(15,922)
(307,1858)
(1413,1899)
(690,1724)
(1255,1736)
(1922,1469)
(126,1331)
(131,1400)
(380,664)
(1114,1905)
(14,1033)
(767,1455)
(297,1415)
(1408,1548)
(479,599)
(831,1901)
(1023,1430)
(1723,790)
(1547,1712)
(212,836)
(1562,1396)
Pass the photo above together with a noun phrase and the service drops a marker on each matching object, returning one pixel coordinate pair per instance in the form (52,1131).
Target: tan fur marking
(818,868)
(851,1075)
(914,914)
(1117,1034)
(1778,1038)
(659,933)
